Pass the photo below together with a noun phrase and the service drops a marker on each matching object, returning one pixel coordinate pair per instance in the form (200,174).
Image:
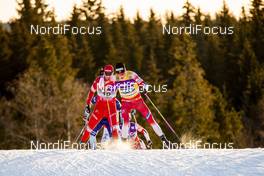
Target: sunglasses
(120,71)
(108,73)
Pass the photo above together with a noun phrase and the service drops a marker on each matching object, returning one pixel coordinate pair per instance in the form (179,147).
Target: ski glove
(87,112)
(149,145)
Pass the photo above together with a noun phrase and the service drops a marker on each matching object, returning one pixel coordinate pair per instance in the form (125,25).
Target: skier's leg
(85,136)
(144,110)
(114,127)
(107,127)
(142,144)
(93,134)
(92,141)
(114,120)
(91,124)
(106,132)
(125,114)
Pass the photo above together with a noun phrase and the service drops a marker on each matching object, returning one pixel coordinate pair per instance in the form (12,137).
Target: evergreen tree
(192,95)
(92,9)
(230,121)
(139,45)
(201,41)
(82,57)
(119,44)
(154,42)
(257,28)
(43,101)
(84,61)
(187,17)
(259,133)
(229,68)
(102,44)
(133,52)
(5,63)
(21,41)
(253,98)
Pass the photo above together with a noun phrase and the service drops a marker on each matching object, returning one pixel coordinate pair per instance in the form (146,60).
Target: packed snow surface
(132,162)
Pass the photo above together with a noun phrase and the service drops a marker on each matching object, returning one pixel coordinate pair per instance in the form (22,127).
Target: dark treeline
(215,82)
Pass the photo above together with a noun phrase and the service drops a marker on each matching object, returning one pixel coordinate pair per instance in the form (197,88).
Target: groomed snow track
(132,162)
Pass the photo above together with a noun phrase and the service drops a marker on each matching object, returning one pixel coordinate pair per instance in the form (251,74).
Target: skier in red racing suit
(105,106)
(128,84)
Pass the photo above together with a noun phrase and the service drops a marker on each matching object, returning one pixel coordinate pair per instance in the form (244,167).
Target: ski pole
(81,132)
(167,123)
(133,115)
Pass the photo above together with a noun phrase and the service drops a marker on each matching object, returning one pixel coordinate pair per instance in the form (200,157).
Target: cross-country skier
(133,130)
(128,83)
(134,140)
(105,103)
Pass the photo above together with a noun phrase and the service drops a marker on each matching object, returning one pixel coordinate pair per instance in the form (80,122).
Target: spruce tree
(5,62)
(192,97)
(187,17)
(229,120)
(257,28)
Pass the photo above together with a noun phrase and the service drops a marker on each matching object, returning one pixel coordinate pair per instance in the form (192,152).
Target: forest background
(215,82)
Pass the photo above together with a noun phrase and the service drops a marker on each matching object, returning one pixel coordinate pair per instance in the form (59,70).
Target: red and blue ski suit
(105,106)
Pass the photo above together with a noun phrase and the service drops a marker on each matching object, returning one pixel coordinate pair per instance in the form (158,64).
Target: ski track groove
(132,162)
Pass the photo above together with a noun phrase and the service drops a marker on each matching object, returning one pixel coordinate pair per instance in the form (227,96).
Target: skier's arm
(89,98)
(140,82)
(91,92)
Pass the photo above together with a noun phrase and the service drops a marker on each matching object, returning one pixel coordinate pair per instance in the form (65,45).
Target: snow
(132,162)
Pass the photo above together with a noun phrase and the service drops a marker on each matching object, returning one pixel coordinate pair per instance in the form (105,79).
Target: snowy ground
(132,162)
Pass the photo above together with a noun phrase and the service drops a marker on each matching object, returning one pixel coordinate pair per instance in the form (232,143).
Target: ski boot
(149,145)
(166,143)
